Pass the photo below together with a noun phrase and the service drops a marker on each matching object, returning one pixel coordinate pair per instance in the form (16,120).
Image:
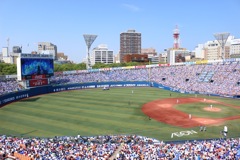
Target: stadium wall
(15,96)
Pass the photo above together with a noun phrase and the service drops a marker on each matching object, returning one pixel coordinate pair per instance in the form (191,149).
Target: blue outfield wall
(15,96)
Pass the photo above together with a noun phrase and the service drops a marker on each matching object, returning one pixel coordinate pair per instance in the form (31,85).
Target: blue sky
(63,22)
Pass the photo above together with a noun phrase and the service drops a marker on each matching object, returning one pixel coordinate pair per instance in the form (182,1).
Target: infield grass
(197,109)
(92,112)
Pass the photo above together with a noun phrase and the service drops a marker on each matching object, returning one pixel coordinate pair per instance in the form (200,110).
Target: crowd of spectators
(224,80)
(118,147)
(186,78)
(102,76)
(8,86)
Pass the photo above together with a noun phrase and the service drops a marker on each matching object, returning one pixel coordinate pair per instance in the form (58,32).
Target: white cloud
(130,7)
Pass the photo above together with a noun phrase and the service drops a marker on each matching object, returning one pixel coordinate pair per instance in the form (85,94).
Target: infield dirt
(164,111)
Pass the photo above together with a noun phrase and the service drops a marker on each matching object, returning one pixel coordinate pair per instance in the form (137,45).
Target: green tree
(100,65)
(133,64)
(80,66)
(8,69)
(57,67)
(115,65)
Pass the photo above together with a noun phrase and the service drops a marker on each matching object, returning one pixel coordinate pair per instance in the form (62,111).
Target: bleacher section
(202,76)
(205,76)
(218,78)
(119,147)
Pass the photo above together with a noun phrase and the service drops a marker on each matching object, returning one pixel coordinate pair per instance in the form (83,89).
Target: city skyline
(64,22)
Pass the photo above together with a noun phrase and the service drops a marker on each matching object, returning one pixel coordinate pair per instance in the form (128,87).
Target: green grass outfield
(93,112)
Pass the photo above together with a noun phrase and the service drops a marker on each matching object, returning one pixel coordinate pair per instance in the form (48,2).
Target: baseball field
(150,112)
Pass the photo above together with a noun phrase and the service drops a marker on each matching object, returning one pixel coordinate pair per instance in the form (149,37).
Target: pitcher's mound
(213,109)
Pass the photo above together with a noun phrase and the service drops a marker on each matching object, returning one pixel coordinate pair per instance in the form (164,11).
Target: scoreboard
(35,69)
(37,82)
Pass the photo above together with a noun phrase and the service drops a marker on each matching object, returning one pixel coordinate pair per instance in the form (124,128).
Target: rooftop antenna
(176,38)
(222,39)
(89,39)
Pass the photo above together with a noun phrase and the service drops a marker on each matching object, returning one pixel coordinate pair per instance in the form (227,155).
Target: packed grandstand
(217,78)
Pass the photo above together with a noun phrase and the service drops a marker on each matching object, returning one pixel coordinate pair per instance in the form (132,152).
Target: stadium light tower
(89,39)
(222,38)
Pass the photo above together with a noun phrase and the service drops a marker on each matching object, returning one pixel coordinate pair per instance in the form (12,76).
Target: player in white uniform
(190,116)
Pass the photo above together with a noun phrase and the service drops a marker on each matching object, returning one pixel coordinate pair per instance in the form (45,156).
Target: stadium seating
(218,78)
(221,79)
(118,147)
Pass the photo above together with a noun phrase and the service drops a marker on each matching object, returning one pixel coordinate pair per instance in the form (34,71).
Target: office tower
(130,43)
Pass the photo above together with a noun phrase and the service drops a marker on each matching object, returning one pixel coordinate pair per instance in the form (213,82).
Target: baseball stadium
(162,111)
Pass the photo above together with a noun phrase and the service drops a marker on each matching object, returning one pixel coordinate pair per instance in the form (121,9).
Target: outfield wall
(15,96)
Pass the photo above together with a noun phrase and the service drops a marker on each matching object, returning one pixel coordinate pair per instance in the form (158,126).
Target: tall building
(151,53)
(47,48)
(212,50)
(17,49)
(6,56)
(62,56)
(235,48)
(179,55)
(199,51)
(101,54)
(1,58)
(5,52)
(130,43)
(163,57)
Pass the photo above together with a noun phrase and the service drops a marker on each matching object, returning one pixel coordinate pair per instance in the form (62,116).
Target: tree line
(10,69)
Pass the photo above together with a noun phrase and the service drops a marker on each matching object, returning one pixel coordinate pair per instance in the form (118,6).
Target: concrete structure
(62,59)
(101,54)
(130,43)
(149,51)
(5,52)
(199,51)
(17,49)
(61,56)
(6,58)
(152,54)
(135,58)
(163,57)
(14,57)
(177,55)
(235,48)
(117,58)
(212,50)
(47,48)
(155,59)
